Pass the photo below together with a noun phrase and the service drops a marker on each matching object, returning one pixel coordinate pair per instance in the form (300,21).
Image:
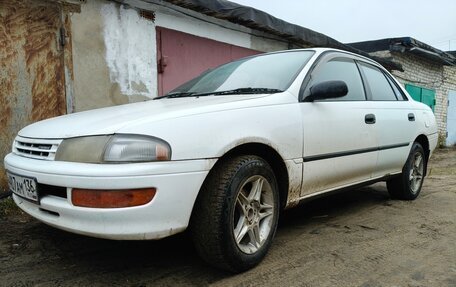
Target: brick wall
(427,74)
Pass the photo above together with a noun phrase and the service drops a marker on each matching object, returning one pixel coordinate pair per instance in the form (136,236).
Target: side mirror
(327,90)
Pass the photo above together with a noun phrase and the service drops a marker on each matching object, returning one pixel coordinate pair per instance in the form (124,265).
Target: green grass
(8,207)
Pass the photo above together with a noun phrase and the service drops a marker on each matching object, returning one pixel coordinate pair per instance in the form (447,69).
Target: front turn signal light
(111,198)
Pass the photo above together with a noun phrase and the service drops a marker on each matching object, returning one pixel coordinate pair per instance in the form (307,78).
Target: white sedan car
(224,153)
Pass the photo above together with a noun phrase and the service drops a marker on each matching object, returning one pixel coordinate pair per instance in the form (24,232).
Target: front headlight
(111,149)
(134,148)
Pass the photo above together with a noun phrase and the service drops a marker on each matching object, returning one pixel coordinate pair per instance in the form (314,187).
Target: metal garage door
(451,119)
(426,96)
(181,57)
(32,83)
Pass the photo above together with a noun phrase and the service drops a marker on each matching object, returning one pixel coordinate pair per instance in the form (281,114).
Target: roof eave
(261,21)
(407,45)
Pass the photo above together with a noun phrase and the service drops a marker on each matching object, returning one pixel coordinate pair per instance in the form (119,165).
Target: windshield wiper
(239,91)
(175,95)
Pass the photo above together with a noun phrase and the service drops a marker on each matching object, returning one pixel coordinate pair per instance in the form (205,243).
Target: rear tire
(408,185)
(235,216)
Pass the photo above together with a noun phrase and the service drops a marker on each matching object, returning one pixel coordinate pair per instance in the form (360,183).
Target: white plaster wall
(92,87)
(130,43)
(203,29)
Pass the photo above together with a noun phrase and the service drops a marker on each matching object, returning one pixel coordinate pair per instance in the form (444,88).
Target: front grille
(36,148)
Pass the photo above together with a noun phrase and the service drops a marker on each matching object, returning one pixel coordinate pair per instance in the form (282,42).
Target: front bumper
(177,184)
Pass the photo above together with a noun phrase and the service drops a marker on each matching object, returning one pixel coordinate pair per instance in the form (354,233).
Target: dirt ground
(356,238)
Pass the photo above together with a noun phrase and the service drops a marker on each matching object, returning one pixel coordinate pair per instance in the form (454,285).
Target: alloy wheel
(253,216)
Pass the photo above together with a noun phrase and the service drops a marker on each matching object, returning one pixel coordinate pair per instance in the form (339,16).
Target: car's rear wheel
(236,214)
(408,185)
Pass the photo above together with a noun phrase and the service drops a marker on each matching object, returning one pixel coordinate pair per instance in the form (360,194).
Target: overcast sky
(429,21)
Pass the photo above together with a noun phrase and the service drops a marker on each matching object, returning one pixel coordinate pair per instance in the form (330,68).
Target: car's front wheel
(236,214)
(408,185)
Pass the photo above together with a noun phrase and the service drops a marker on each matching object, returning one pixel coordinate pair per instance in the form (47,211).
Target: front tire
(235,216)
(408,185)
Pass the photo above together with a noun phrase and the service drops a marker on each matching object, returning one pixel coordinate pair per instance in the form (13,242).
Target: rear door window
(399,94)
(379,86)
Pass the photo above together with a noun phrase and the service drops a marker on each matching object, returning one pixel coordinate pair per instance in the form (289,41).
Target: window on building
(423,95)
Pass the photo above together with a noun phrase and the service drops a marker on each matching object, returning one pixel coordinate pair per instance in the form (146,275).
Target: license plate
(23,186)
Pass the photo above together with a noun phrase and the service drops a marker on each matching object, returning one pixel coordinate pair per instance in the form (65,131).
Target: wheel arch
(270,155)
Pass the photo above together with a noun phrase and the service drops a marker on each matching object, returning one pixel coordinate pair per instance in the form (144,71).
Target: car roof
(322,50)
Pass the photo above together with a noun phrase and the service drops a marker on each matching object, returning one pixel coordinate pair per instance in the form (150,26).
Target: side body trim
(352,152)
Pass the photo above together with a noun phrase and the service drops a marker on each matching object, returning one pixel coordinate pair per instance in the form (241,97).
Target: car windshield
(268,73)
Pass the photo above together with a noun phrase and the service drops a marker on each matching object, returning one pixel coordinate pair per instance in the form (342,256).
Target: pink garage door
(181,57)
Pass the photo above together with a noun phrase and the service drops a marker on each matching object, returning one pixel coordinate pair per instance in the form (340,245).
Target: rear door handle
(411,117)
(369,119)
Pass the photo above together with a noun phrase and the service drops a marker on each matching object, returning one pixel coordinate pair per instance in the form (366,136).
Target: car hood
(109,120)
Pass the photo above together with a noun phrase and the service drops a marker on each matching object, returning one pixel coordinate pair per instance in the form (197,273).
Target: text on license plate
(23,186)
